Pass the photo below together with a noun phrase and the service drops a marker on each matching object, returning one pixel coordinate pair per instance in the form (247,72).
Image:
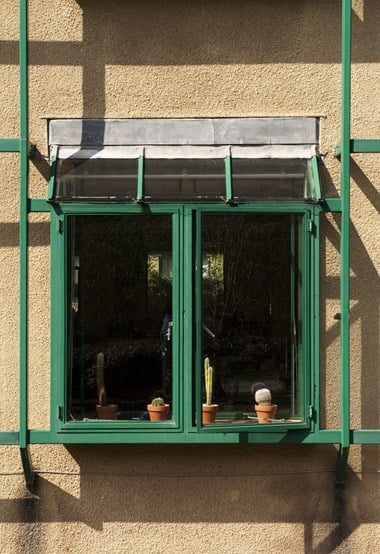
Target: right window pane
(251,322)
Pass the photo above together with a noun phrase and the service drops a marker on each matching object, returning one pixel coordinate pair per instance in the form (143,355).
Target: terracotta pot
(265,414)
(209,413)
(158,413)
(106,412)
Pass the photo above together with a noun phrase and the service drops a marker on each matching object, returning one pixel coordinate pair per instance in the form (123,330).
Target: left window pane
(120,324)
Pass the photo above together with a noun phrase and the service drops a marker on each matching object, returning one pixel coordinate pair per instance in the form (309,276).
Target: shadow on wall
(222,484)
(365,292)
(204,33)
(39,234)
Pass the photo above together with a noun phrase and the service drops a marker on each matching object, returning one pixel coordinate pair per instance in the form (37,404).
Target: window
(169,262)
(120,306)
(251,309)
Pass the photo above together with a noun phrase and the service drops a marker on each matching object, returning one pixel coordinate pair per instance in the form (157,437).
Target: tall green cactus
(208,381)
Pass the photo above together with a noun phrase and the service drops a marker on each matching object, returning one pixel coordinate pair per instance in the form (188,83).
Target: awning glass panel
(268,179)
(184,179)
(211,176)
(95,179)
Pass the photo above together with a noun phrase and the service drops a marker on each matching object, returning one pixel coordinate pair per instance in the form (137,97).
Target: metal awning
(243,160)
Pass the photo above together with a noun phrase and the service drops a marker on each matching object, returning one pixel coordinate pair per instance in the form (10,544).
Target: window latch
(311,412)
(169,333)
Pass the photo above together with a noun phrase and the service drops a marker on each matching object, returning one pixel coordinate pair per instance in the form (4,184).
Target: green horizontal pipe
(320,437)
(365,436)
(366,146)
(38,205)
(10,145)
(9,437)
(331,205)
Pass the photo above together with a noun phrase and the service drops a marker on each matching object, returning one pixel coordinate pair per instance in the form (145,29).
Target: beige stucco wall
(96,59)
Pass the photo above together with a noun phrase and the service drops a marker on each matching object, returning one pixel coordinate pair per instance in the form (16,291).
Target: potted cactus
(265,410)
(103,409)
(158,410)
(208,408)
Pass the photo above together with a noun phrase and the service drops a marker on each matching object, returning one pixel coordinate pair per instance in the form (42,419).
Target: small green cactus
(158,402)
(208,381)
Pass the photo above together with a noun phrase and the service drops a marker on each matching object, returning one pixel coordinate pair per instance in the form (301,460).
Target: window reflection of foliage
(255,250)
(213,283)
(158,288)
(114,287)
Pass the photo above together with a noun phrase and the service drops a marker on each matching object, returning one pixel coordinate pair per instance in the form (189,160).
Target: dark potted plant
(103,409)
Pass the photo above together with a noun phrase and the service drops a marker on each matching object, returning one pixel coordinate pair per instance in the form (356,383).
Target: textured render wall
(91,58)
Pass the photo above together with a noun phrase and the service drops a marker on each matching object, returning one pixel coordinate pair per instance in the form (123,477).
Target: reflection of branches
(255,263)
(114,288)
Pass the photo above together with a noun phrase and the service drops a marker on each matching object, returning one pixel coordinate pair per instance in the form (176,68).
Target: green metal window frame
(59,316)
(307,298)
(181,429)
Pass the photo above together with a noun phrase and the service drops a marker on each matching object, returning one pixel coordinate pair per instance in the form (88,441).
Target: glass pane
(96,179)
(267,178)
(250,302)
(120,314)
(200,179)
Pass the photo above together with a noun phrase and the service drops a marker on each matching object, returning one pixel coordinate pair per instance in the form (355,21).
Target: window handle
(169,333)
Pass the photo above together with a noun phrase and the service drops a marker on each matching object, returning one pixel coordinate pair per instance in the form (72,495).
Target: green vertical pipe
(228,172)
(345,223)
(23,61)
(140,179)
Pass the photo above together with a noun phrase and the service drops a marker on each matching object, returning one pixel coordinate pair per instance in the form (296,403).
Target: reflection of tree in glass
(251,255)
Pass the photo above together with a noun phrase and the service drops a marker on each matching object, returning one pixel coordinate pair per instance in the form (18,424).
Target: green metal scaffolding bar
(365,146)
(345,223)
(345,244)
(24,163)
(10,145)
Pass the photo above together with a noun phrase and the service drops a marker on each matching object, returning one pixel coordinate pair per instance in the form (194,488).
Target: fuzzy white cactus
(263,397)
